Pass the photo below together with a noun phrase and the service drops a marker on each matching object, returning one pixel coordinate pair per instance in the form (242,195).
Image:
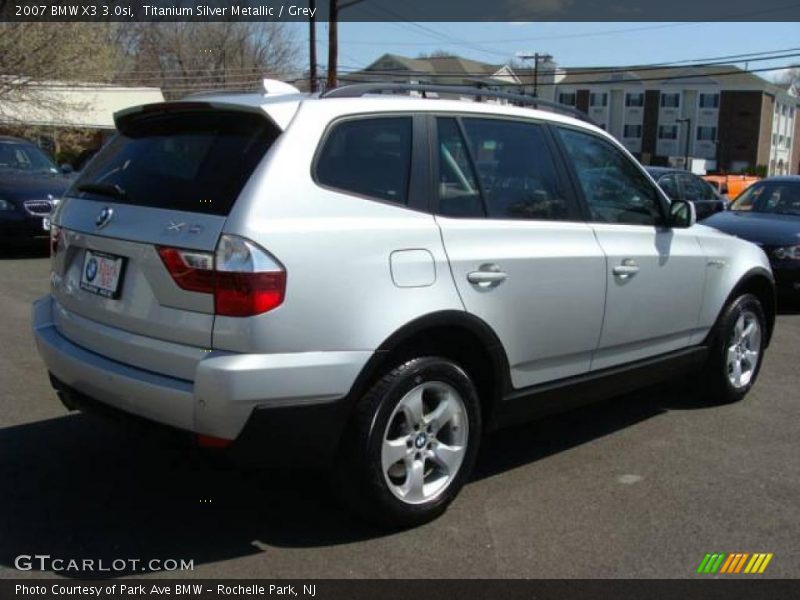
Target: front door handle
(487,275)
(627,269)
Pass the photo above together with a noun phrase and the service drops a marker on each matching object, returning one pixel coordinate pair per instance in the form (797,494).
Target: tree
(791,78)
(184,57)
(33,54)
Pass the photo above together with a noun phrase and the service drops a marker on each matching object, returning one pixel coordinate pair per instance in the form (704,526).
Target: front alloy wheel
(744,349)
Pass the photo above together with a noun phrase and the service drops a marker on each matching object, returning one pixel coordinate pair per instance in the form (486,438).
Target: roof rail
(356,90)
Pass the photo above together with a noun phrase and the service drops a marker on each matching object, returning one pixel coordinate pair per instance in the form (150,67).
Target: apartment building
(730,118)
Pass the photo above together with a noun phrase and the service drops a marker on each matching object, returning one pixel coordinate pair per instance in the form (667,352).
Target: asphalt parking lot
(642,486)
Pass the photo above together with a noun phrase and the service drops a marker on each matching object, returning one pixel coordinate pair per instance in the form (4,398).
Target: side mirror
(66,168)
(682,214)
(723,189)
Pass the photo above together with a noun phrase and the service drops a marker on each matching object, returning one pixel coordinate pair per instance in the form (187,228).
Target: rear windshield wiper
(104,189)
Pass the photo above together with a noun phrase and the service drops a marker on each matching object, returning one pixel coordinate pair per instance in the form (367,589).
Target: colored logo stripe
(735,563)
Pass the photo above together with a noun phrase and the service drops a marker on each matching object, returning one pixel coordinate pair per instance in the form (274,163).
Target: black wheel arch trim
(445,318)
(744,281)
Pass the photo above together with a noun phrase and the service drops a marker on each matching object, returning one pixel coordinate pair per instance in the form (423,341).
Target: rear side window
(194,161)
(516,176)
(368,157)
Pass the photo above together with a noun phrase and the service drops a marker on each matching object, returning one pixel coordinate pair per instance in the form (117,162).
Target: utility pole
(333,44)
(333,38)
(312,48)
(536,57)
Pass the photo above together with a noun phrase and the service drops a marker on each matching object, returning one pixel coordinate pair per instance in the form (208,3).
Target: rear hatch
(169,179)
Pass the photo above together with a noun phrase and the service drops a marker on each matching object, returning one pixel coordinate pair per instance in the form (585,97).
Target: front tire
(737,350)
(411,444)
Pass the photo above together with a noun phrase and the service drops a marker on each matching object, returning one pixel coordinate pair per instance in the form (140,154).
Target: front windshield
(19,156)
(777,197)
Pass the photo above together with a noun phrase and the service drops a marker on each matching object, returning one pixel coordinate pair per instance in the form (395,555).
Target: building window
(791,112)
(774,139)
(632,131)
(780,141)
(709,100)
(788,143)
(598,99)
(668,132)
(671,100)
(567,98)
(783,110)
(707,134)
(634,99)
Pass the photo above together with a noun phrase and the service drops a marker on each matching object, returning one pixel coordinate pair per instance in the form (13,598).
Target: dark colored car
(30,186)
(683,185)
(768,214)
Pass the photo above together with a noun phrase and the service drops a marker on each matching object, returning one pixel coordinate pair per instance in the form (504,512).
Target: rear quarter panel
(336,249)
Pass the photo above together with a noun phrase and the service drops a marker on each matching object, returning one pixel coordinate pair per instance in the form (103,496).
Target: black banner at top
(391,10)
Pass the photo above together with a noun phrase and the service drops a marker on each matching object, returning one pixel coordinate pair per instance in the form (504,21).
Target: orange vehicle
(730,185)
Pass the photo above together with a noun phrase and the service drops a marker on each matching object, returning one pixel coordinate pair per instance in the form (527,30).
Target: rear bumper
(251,398)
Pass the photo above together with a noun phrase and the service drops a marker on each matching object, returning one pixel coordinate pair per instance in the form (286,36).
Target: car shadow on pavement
(80,487)
(31,250)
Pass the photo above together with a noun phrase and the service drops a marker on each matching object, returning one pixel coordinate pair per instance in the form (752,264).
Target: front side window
(369,157)
(671,100)
(615,189)
(507,167)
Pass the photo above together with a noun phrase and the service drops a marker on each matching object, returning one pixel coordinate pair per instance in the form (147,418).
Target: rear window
(370,157)
(194,161)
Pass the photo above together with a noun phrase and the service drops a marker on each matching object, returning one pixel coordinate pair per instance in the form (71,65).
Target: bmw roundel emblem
(104,217)
(91,269)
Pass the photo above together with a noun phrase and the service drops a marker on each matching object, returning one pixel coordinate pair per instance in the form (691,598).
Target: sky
(571,44)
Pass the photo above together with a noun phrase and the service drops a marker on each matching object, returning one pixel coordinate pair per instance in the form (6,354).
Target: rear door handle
(487,275)
(627,269)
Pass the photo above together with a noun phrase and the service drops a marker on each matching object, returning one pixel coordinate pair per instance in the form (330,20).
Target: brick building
(735,120)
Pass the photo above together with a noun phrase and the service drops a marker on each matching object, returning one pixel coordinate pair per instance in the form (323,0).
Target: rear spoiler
(123,118)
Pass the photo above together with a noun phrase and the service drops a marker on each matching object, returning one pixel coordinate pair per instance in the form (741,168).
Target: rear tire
(411,444)
(737,351)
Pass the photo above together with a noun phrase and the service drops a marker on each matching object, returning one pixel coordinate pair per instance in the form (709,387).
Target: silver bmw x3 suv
(369,281)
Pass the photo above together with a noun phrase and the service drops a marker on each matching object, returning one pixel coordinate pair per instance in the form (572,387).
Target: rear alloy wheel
(425,442)
(411,444)
(736,351)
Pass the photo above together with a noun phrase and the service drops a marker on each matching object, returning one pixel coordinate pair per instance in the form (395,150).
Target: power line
(255,71)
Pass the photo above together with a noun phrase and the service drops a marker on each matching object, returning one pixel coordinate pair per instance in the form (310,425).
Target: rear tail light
(244,278)
(55,235)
